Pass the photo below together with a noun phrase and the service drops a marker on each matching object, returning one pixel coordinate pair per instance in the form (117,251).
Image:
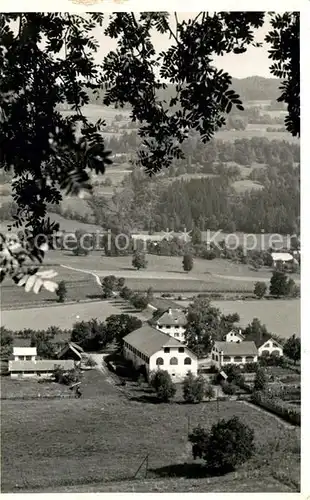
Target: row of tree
(280,286)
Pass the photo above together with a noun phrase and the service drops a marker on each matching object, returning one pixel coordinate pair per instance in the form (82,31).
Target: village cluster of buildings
(159,344)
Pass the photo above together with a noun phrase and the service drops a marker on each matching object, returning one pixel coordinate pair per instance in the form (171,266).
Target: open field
(60,442)
(65,315)
(160,267)
(164,274)
(281,317)
(258,131)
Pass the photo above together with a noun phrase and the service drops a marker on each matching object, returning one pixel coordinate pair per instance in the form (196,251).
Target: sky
(254,62)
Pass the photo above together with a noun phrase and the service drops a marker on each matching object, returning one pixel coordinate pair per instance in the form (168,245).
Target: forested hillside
(253,88)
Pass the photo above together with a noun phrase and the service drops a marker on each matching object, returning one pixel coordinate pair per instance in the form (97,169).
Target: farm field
(64,316)
(164,274)
(60,442)
(162,266)
(281,317)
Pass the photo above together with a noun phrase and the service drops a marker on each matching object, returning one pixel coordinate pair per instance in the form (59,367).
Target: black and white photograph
(150,251)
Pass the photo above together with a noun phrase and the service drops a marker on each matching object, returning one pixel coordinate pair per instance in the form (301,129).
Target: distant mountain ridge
(252,88)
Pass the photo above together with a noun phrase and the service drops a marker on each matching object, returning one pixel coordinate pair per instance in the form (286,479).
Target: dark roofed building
(71,351)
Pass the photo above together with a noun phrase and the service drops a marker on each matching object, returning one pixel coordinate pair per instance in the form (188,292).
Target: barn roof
(237,349)
(41,365)
(149,340)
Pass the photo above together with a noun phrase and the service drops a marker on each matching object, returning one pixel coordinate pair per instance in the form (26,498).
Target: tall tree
(203,326)
(226,446)
(120,325)
(292,348)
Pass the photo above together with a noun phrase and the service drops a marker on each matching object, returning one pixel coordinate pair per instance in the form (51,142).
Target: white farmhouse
(157,350)
(173,322)
(25,353)
(266,345)
(238,353)
(234,336)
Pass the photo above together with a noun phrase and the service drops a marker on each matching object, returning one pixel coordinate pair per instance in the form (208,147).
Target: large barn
(157,350)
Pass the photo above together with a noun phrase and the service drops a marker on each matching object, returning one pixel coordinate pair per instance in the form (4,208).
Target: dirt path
(98,358)
(97,279)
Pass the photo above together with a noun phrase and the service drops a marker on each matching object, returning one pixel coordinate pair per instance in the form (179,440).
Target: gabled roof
(235,332)
(76,346)
(24,351)
(237,349)
(261,340)
(41,365)
(173,317)
(73,347)
(149,340)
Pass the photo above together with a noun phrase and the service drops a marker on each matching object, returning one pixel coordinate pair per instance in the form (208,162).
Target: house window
(159,361)
(181,349)
(267,345)
(28,358)
(276,352)
(226,358)
(238,359)
(216,357)
(249,359)
(167,326)
(174,361)
(265,353)
(213,357)
(177,335)
(166,349)
(187,361)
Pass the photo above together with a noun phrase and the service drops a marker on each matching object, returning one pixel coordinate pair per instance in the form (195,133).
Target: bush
(229,444)
(90,362)
(250,367)
(209,391)
(139,261)
(61,291)
(139,301)
(260,380)
(163,385)
(126,293)
(66,377)
(229,388)
(193,388)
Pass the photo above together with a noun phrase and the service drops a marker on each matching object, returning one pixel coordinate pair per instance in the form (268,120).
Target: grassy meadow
(97,439)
